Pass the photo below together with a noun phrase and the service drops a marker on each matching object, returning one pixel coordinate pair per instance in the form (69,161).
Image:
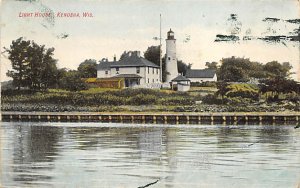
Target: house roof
(200,73)
(132,60)
(127,76)
(103,65)
(180,78)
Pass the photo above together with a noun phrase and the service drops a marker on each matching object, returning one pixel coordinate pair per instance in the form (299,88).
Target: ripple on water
(116,155)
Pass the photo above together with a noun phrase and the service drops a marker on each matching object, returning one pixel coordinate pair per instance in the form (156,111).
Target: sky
(117,26)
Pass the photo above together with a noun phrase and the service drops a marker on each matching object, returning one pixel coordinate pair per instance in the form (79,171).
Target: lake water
(120,155)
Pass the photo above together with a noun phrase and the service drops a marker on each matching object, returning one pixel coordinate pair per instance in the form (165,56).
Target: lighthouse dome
(170,34)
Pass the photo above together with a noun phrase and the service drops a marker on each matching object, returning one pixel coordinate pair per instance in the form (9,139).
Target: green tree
(222,89)
(19,61)
(182,67)
(71,81)
(237,69)
(152,54)
(49,71)
(277,85)
(88,68)
(274,69)
(33,65)
(212,65)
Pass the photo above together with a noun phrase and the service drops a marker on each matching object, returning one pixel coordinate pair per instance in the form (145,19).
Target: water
(119,155)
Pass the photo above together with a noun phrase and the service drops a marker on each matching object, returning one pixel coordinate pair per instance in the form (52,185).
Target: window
(148,80)
(148,70)
(156,71)
(152,70)
(117,68)
(106,72)
(169,58)
(138,70)
(153,80)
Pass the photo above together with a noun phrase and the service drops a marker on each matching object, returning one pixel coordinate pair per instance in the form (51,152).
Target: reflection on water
(115,155)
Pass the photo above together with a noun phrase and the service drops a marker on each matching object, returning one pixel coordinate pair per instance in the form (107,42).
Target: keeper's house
(134,69)
(201,75)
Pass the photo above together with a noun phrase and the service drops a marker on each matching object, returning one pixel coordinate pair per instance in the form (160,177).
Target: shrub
(243,94)
(142,99)
(212,99)
(203,84)
(176,100)
(108,99)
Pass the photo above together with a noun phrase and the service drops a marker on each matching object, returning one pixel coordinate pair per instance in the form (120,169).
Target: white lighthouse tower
(171,60)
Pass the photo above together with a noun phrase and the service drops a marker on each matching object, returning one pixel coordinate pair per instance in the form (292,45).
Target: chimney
(138,53)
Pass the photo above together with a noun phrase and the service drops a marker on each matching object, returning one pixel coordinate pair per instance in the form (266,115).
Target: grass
(204,89)
(57,99)
(98,90)
(243,87)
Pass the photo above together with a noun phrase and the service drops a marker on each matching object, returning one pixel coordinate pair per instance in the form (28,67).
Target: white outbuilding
(201,75)
(181,83)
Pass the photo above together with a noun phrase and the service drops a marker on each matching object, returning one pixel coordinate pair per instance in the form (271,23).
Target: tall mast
(160,60)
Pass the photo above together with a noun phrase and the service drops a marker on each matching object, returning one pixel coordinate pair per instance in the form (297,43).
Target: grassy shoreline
(128,100)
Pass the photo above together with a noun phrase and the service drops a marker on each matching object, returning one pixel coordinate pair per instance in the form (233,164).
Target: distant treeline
(235,69)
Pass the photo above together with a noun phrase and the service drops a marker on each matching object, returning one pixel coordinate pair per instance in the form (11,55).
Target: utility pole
(160,60)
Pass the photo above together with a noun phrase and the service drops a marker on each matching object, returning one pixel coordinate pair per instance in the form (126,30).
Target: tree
(49,73)
(182,67)
(152,54)
(19,61)
(277,85)
(237,69)
(233,69)
(222,89)
(88,68)
(212,65)
(33,65)
(274,69)
(71,81)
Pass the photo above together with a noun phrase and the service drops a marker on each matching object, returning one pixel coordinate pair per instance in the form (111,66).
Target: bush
(108,99)
(142,99)
(243,90)
(72,82)
(176,100)
(132,92)
(14,92)
(213,99)
(243,94)
(203,84)
(113,98)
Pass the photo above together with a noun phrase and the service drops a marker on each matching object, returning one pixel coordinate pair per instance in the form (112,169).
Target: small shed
(181,83)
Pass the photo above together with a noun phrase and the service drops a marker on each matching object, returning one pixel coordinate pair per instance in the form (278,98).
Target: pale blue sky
(130,25)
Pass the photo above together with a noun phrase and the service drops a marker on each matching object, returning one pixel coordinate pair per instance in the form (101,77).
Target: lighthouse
(171,60)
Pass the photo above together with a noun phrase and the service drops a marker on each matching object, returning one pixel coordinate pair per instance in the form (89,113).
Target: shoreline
(156,117)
